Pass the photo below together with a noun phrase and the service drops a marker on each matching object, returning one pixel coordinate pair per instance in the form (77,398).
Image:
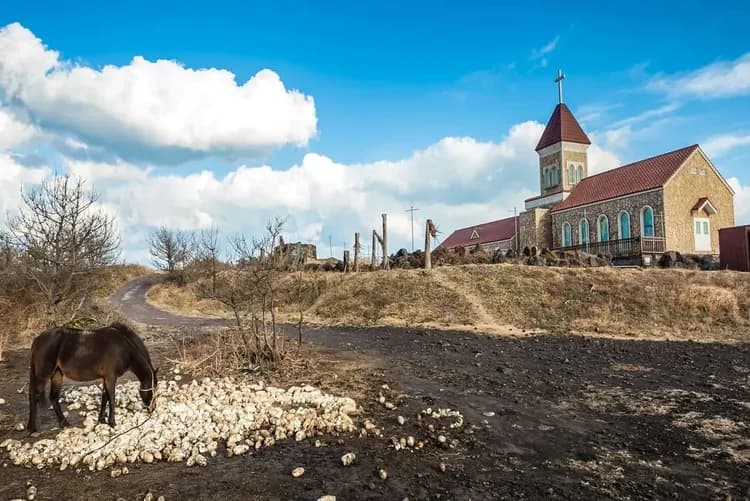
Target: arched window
(647,221)
(545,178)
(567,238)
(571,174)
(603,224)
(583,232)
(554,176)
(623,222)
(579,176)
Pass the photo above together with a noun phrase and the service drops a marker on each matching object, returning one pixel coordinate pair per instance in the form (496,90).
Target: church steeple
(562,150)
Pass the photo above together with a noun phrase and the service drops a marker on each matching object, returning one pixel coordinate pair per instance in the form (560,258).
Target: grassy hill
(501,298)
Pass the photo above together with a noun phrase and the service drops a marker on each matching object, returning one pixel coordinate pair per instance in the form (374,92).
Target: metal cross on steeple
(558,81)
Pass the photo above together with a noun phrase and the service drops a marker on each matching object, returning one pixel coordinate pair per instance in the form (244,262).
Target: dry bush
(220,350)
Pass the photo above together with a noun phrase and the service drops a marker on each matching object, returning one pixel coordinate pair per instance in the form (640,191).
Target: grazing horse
(80,355)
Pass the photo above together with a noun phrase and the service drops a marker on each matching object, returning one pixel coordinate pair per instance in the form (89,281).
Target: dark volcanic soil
(547,416)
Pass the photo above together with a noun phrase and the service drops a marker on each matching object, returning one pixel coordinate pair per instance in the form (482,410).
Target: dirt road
(547,416)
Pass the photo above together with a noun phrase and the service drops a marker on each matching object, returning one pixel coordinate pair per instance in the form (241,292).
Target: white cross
(558,81)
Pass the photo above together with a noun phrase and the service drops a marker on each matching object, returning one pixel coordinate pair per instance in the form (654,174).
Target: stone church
(674,201)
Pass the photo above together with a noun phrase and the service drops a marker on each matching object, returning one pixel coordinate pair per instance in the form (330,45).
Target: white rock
(327,497)
(383,474)
(2,401)
(401,420)
(348,459)
(298,472)
(19,427)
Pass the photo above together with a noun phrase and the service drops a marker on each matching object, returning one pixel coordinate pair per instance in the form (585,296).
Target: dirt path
(564,417)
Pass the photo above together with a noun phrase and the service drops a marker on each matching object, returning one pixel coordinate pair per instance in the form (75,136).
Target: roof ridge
(692,146)
(488,222)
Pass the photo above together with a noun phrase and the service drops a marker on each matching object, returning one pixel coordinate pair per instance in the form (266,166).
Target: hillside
(501,298)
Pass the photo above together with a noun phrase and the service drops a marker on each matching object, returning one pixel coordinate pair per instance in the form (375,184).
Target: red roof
(494,231)
(562,126)
(640,176)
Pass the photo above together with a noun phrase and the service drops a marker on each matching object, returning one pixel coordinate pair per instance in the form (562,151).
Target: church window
(571,174)
(603,224)
(566,235)
(555,181)
(624,224)
(583,232)
(579,175)
(647,221)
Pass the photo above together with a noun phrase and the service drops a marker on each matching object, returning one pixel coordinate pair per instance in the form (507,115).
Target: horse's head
(148,387)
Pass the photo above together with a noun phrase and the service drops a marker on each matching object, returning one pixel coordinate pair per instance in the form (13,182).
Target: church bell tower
(563,158)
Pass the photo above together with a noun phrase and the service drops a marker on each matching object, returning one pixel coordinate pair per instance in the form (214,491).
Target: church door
(702,232)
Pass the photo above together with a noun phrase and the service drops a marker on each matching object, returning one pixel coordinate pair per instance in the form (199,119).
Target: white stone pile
(189,423)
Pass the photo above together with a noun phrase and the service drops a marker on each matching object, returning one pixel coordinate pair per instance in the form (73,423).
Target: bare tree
(208,254)
(170,251)
(250,290)
(62,239)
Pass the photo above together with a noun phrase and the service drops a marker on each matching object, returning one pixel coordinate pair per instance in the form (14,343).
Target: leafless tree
(250,290)
(170,251)
(208,254)
(61,240)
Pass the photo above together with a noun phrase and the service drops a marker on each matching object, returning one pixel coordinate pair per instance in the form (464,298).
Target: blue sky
(389,83)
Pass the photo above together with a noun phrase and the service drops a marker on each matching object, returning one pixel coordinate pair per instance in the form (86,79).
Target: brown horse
(105,353)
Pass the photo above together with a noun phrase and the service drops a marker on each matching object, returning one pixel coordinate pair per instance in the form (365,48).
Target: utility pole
(330,245)
(515,225)
(412,209)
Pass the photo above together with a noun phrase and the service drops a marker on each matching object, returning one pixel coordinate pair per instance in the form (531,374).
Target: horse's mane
(133,339)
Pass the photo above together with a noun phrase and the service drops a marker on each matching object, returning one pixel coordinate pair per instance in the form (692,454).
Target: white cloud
(720,79)
(546,49)
(601,159)
(456,182)
(153,104)
(14,132)
(741,201)
(720,145)
(13,176)
(660,111)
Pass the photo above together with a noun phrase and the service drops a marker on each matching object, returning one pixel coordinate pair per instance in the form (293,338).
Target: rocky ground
(542,416)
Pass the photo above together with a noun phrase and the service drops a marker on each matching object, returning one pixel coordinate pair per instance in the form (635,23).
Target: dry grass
(629,302)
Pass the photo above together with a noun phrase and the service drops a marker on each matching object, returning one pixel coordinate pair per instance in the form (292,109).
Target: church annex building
(674,201)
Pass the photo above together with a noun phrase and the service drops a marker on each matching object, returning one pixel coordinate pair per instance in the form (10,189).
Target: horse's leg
(36,393)
(54,396)
(103,407)
(109,383)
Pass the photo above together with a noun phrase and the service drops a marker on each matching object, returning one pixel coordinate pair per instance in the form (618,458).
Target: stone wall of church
(696,179)
(535,229)
(633,204)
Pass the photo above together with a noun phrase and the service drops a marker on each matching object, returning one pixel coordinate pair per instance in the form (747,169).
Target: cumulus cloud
(717,80)
(13,176)
(456,182)
(14,132)
(153,104)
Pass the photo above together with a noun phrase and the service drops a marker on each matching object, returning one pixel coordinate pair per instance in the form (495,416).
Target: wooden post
(372,256)
(429,233)
(356,251)
(346,261)
(384,241)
